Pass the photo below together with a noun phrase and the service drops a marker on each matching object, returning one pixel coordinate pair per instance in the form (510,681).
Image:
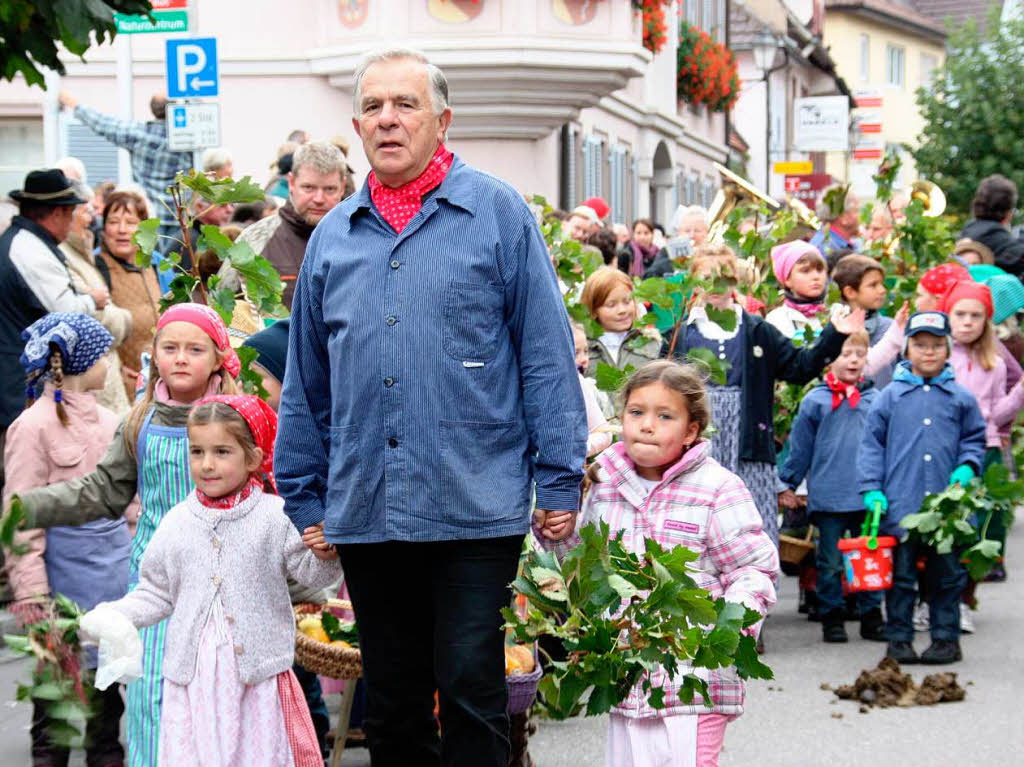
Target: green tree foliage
(31,30)
(974,112)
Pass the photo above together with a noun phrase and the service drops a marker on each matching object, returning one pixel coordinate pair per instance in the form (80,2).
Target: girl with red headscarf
(217,568)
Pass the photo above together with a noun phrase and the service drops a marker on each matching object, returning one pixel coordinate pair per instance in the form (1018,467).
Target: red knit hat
(965,289)
(939,279)
(598,205)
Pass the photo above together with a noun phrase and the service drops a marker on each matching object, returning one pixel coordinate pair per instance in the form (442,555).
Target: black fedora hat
(48,187)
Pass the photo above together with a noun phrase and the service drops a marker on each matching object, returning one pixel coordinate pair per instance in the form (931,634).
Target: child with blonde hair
(608,296)
(192,358)
(661,483)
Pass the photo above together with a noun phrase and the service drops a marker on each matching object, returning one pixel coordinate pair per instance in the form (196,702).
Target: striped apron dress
(164,481)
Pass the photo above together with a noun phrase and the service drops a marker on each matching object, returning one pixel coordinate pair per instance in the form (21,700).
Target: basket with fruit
(522,675)
(324,643)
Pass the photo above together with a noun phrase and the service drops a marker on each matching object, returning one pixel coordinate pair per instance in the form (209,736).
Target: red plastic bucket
(867,569)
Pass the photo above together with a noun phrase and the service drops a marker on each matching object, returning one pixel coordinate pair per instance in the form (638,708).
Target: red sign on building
(168,5)
(807,188)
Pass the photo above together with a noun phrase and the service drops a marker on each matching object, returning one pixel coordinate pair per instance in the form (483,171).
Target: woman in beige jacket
(78,250)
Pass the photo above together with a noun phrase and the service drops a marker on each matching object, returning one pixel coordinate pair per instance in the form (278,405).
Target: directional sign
(192,68)
(192,126)
(165,21)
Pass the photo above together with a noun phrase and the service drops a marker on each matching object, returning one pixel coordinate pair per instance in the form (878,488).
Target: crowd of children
(905,406)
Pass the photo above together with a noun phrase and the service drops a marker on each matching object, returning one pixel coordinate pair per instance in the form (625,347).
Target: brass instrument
(930,195)
(733,191)
(809,223)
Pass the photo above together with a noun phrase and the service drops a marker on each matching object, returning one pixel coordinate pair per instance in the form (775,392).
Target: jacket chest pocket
(473,318)
(66,456)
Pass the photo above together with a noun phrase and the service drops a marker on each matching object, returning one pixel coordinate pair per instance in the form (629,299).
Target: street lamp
(764,47)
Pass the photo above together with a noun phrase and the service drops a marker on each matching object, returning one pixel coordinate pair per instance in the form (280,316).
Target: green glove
(962,475)
(871,497)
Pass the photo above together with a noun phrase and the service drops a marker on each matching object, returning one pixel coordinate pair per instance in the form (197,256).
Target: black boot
(872,627)
(902,652)
(941,652)
(832,628)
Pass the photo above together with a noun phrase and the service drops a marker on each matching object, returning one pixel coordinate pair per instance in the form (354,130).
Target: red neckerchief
(398,206)
(840,390)
(229,501)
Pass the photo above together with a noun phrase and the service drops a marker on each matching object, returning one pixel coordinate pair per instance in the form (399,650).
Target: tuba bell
(930,195)
(734,190)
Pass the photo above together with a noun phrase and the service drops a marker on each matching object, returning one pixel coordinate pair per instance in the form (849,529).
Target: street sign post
(192,126)
(164,21)
(192,68)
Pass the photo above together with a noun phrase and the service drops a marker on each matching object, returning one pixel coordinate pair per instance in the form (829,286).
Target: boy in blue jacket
(830,420)
(923,432)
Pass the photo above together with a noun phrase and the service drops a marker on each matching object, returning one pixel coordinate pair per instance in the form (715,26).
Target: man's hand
(788,500)
(100,296)
(131,377)
(67,100)
(555,525)
(313,537)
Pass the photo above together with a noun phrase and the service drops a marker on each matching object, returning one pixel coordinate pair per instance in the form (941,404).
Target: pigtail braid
(57,369)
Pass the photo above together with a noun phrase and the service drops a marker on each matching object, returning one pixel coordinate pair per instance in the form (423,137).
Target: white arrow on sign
(196,83)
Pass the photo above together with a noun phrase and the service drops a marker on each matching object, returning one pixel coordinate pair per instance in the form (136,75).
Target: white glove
(120,649)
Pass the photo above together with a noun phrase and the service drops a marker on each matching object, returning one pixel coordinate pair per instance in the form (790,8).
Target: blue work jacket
(823,444)
(916,433)
(431,386)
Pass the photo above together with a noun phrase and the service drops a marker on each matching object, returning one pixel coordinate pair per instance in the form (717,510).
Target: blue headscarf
(81,339)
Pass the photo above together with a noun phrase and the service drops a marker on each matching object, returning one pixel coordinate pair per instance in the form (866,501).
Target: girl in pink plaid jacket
(661,482)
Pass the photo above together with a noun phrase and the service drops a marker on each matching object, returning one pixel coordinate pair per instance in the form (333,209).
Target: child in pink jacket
(661,483)
(63,435)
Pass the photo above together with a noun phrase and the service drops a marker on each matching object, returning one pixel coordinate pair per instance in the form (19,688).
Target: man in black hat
(34,278)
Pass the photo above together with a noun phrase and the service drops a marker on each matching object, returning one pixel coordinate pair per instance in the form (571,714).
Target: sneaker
(832,628)
(941,652)
(872,627)
(902,652)
(966,620)
(922,621)
(997,574)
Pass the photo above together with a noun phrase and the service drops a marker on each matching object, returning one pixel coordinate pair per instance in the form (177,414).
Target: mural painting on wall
(455,11)
(353,12)
(574,12)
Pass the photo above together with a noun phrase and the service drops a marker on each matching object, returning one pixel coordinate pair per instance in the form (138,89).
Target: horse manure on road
(887,685)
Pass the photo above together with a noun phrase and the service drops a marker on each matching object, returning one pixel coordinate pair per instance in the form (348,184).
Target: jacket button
(229,618)
(927,456)
(216,543)
(395,263)
(926,387)
(389,382)
(216,580)
(927,421)
(239,649)
(392,442)
(392,320)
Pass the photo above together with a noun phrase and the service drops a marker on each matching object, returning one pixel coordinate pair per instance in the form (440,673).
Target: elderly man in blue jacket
(430,397)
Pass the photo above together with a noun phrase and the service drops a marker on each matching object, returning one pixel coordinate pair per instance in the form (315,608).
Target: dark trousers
(429,619)
(829,560)
(945,579)
(315,701)
(102,732)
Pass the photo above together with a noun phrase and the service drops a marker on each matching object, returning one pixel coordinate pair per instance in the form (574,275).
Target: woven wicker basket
(324,659)
(794,550)
(522,688)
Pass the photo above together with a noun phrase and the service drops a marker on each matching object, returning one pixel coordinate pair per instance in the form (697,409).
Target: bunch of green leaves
(263,286)
(337,629)
(30,31)
(947,519)
(10,524)
(788,397)
(58,679)
(620,617)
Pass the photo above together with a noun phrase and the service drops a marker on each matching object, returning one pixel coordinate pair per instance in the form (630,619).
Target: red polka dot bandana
(399,206)
(262,421)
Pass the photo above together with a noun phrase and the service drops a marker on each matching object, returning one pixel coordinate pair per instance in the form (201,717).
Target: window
(592,156)
(707,15)
(21,150)
(894,68)
(707,193)
(929,64)
(634,176)
(865,58)
(617,184)
(693,13)
(692,189)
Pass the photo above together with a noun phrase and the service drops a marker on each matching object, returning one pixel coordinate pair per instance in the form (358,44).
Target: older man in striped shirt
(430,396)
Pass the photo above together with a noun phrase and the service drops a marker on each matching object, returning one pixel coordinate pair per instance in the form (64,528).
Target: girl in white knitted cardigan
(217,567)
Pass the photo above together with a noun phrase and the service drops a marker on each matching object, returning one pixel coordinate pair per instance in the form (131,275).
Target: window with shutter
(97,154)
(21,150)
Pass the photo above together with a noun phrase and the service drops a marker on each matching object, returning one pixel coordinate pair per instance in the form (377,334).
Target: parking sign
(192,68)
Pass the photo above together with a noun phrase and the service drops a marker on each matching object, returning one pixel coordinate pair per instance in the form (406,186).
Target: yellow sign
(793,168)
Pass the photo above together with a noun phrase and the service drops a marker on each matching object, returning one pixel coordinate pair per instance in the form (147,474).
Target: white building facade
(558,97)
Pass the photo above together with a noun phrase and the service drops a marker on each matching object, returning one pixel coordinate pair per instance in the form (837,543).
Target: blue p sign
(192,68)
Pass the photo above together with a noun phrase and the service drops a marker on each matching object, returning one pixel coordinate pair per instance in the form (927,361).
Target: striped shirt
(701,505)
(430,386)
(153,164)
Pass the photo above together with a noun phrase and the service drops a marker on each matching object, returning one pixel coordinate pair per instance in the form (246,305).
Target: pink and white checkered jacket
(705,507)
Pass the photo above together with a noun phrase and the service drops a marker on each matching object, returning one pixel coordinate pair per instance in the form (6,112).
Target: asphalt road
(792,722)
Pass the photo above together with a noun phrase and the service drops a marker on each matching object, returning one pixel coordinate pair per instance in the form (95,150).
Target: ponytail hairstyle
(137,415)
(55,367)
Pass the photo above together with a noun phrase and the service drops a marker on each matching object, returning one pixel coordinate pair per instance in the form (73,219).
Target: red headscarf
(965,289)
(262,422)
(207,320)
(398,206)
(939,279)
